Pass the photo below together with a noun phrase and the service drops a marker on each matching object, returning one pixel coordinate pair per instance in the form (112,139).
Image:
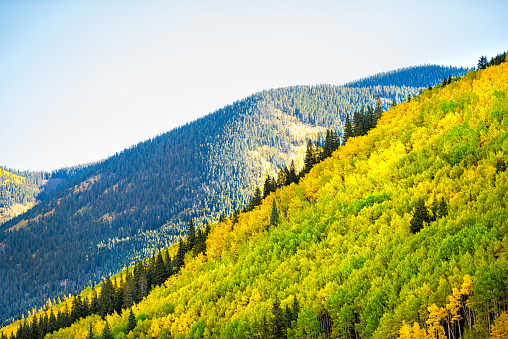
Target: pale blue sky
(81,80)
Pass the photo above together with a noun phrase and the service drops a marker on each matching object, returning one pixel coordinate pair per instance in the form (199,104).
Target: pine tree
(482,63)
(179,259)
(131,322)
(310,157)
(348,129)
(420,215)
(160,269)
(106,298)
(91,335)
(293,176)
(274,216)
(268,187)
(256,198)
(278,322)
(106,332)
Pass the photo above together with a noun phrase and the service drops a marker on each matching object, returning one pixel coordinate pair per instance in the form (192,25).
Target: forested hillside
(400,233)
(21,190)
(124,208)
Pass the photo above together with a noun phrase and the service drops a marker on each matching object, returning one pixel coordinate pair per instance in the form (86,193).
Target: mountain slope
(124,208)
(346,245)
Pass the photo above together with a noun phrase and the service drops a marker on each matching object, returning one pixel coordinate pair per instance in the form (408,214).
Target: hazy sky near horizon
(81,80)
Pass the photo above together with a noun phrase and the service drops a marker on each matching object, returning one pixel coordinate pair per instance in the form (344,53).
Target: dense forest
(123,209)
(21,190)
(400,233)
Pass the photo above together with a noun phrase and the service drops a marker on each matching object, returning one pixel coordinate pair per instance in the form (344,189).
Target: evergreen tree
(348,129)
(167,263)
(357,124)
(179,259)
(482,63)
(282,177)
(191,236)
(200,246)
(420,215)
(91,335)
(131,322)
(278,322)
(268,187)
(274,216)
(160,270)
(293,176)
(106,332)
(256,199)
(106,298)
(310,157)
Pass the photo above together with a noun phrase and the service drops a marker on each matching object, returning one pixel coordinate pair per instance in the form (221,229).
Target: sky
(81,80)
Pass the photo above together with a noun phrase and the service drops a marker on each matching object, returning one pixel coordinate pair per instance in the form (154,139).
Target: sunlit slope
(343,243)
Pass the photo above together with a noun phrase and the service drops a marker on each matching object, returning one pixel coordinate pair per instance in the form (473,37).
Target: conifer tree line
(497,60)
(363,120)
(117,295)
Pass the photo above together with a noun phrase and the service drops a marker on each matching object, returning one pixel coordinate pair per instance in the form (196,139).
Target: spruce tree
(274,216)
(180,256)
(482,63)
(348,129)
(106,332)
(293,176)
(256,198)
(268,187)
(310,157)
(160,270)
(131,322)
(91,335)
(420,215)
(278,322)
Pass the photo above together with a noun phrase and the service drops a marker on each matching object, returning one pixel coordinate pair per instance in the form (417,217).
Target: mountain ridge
(147,193)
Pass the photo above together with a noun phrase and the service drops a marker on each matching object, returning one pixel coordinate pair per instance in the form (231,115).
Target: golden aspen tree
(499,329)
(436,314)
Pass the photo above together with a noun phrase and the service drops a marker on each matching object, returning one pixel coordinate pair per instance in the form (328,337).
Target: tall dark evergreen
(420,215)
(191,236)
(348,129)
(482,63)
(278,321)
(274,215)
(310,157)
(91,334)
(106,332)
(179,259)
(256,198)
(131,321)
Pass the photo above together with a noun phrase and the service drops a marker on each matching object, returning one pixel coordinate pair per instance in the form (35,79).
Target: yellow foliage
(499,329)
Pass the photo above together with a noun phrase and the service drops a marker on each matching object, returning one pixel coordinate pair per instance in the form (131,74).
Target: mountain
(400,233)
(124,208)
